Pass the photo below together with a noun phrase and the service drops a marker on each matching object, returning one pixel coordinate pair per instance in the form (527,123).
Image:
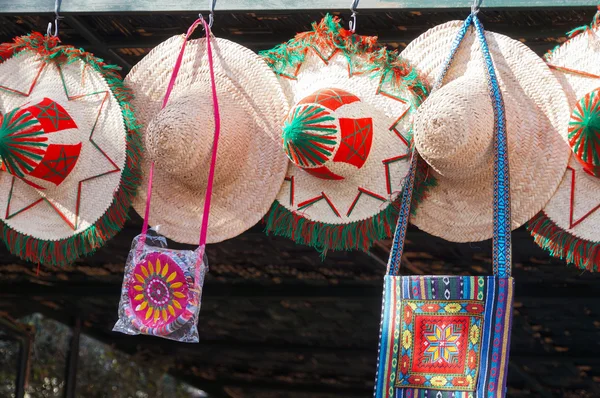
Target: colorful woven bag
(162,288)
(449,336)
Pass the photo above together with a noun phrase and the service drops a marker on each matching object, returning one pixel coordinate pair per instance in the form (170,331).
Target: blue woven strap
(501,202)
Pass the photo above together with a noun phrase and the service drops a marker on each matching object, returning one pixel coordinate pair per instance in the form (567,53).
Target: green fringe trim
(65,251)
(559,243)
(359,235)
(576,32)
(364,54)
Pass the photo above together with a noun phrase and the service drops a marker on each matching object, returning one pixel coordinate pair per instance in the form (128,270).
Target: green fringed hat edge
(360,235)
(579,252)
(65,251)
(364,55)
(557,241)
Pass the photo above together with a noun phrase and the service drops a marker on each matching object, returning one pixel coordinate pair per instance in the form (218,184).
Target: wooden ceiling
(125,38)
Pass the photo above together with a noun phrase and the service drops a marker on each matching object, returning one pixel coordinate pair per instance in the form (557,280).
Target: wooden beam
(194,6)
(212,289)
(203,382)
(72,360)
(106,53)
(23,367)
(269,38)
(527,288)
(531,381)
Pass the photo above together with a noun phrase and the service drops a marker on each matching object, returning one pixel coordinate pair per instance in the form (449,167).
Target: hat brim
(62,219)
(568,224)
(356,206)
(536,113)
(253,183)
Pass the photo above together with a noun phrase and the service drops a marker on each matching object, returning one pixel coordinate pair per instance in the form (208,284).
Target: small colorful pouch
(162,287)
(449,336)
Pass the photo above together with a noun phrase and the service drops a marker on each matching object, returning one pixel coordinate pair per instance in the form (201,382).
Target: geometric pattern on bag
(435,341)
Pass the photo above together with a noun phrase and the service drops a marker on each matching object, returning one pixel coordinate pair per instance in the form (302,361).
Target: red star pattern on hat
(103,164)
(326,53)
(573,221)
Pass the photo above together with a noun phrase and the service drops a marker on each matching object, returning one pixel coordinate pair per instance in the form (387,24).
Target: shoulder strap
(211,171)
(501,202)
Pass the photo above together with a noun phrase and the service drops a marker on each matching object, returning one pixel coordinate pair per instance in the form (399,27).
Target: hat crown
(324,138)
(180,138)
(454,128)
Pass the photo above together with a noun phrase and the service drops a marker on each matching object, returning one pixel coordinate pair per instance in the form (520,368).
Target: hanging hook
(212,13)
(57,17)
(475,6)
(211,10)
(353,16)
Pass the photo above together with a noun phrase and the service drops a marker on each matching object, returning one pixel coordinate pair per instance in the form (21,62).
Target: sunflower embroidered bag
(162,287)
(449,336)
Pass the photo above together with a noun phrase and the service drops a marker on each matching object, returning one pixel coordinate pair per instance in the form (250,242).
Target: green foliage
(103,371)
(9,355)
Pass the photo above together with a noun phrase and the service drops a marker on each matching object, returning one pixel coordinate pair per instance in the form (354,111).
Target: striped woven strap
(502,220)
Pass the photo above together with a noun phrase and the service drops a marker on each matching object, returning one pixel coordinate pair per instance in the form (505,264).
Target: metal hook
(212,13)
(475,6)
(201,17)
(57,18)
(352,23)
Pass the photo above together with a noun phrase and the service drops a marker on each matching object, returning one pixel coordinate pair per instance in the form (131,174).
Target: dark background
(276,320)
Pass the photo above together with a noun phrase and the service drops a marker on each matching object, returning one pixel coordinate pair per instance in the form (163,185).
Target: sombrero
(69,148)
(568,226)
(454,132)
(250,164)
(347,135)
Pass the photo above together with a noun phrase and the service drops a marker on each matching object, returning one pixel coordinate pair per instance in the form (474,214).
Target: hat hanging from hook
(352,23)
(212,13)
(57,17)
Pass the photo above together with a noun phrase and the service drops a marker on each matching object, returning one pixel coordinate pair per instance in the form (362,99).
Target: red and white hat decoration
(567,226)
(347,136)
(69,150)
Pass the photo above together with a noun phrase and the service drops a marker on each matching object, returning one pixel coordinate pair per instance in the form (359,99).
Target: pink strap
(211,172)
(213,159)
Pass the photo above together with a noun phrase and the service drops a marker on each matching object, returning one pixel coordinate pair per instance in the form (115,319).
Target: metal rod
(86,7)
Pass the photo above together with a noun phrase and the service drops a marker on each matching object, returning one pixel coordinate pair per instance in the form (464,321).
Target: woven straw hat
(69,150)
(347,135)
(568,224)
(454,132)
(250,164)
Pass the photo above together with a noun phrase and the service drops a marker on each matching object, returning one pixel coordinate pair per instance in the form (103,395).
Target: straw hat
(250,164)
(69,150)
(568,224)
(454,132)
(347,135)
